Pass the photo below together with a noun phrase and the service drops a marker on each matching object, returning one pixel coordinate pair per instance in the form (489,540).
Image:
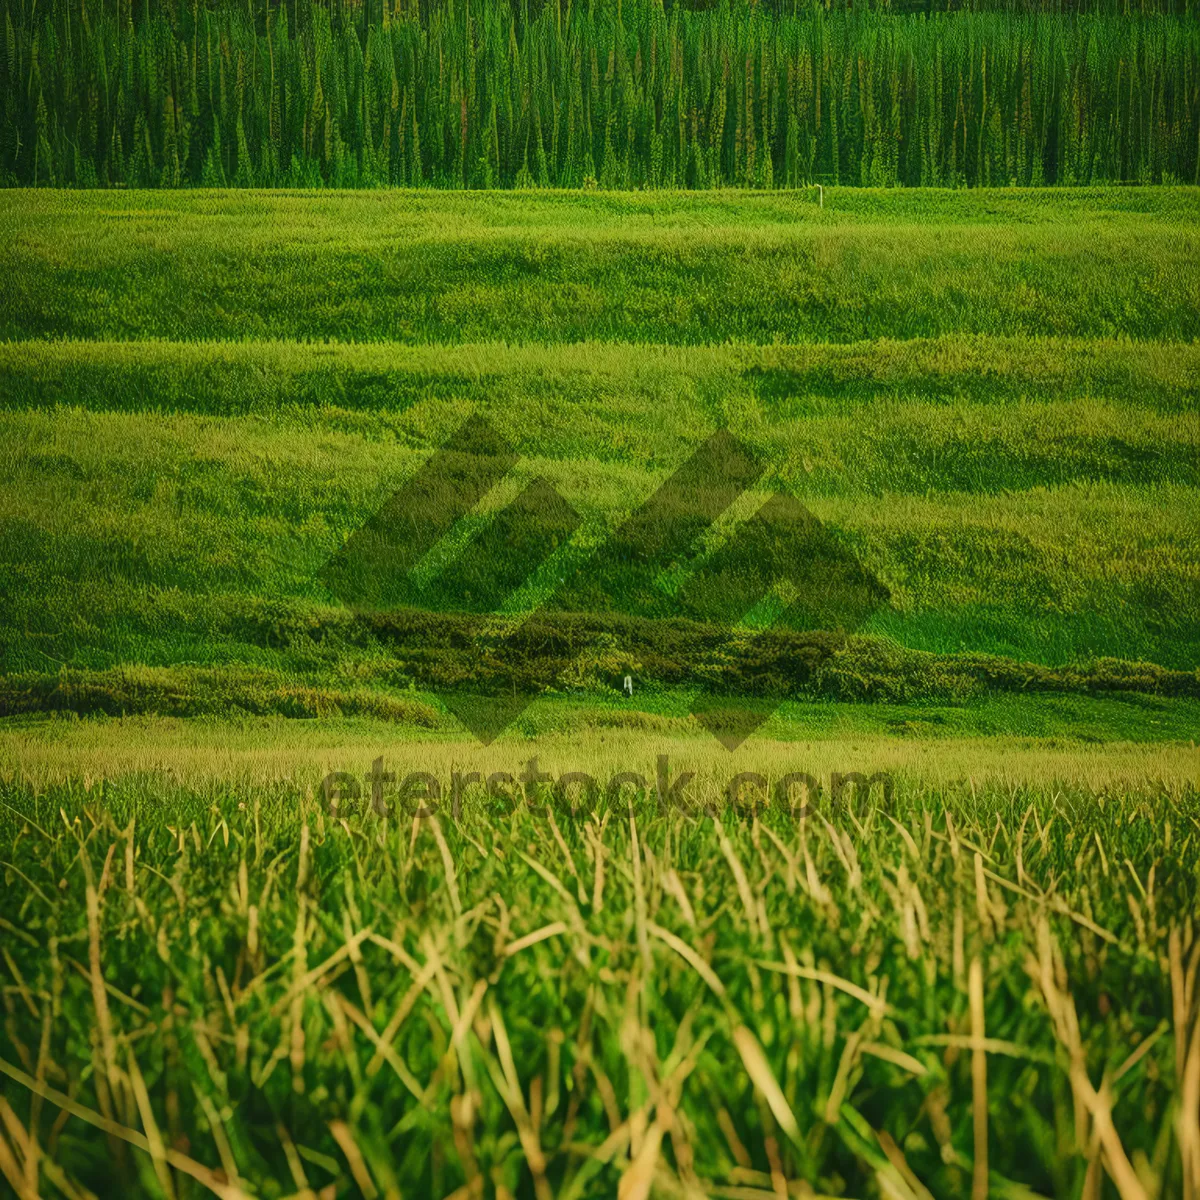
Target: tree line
(620,94)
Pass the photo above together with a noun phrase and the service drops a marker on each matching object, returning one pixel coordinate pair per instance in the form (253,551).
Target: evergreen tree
(655,94)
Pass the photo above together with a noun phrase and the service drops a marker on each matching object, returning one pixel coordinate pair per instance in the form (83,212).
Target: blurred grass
(627,999)
(1042,743)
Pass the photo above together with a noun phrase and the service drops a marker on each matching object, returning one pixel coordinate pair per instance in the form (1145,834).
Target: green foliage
(199,693)
(585,657)
(496,95)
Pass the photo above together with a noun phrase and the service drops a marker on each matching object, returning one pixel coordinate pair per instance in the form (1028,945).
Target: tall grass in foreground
(625,95)
(227,990)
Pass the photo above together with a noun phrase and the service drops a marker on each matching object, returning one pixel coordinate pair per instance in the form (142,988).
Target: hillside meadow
(972,973)
(172,506)
(540,266)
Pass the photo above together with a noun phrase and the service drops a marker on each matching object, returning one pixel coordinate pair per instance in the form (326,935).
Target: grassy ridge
(1032,500)
(957,700)
(411,267)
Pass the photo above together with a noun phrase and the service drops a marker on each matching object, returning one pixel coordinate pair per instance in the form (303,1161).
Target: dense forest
(620,94)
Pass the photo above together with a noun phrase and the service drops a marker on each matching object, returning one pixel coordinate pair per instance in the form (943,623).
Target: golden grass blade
(532,939)
(198,1171)
(1141,1051)
(897,1057)
(639,1177)
(688,955)
(11,1170)
(548,875)
(22,988)
(1188,1118)
(295,1166)
(304,981)
(25,1145)
(876,1003)
(99,994)
(979,1176)
(153,1135)
(983,906)
(674,885)
(739,877)
(358,1166)
(419,984)
(598,853)
(384,1052)
(217,1129)
(509,1086)
(991,1045)
(113,991)
(639,897)
(896,1157)
(759,1070)
(1060,906)
(841,1079)
(451,876)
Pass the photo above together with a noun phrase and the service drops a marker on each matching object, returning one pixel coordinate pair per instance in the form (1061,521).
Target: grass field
(984,978)
(561,267)
(982,984)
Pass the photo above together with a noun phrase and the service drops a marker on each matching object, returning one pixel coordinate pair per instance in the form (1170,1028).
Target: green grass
(173,504)
(1135,743)
(558,267)
(990,398)
(170,503)
(1144,706)
(215,966)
